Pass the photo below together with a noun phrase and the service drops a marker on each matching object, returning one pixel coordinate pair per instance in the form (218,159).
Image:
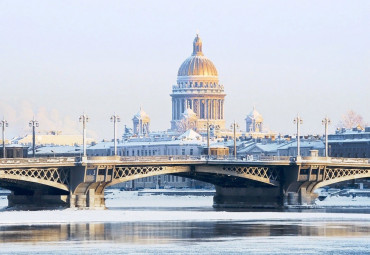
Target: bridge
(79,182)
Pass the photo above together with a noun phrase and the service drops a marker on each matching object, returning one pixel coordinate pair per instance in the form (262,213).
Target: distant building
(254,126)
(198,88)
(254,150)
(350,143)
(188,120)
(254,122)
(306,145)
(14,151)
(141,123)
(100,149)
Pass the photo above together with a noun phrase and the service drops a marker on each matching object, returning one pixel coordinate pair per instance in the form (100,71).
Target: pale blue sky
(61,58)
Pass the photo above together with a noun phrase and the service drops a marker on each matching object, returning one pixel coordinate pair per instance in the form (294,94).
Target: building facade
(198,89)
(353,143)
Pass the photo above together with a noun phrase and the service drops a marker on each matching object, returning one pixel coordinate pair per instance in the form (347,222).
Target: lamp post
(208,148)
(115,118)
(298,121)
(33,123)
(234,126)
(4,124)
(326,121)
(84,119)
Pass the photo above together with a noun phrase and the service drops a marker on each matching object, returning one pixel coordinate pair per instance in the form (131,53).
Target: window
(183,152)
(191,151)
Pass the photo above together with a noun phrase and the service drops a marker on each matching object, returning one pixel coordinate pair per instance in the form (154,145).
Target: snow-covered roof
(349,141)
(190,135)
(269,147)
(101,145)
(317,144)
(162,143)
(58,149)
(15,146)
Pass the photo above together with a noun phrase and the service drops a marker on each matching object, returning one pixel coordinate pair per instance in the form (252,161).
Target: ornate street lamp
(234,126)
(115,118)
(298,121)
(4,124)
(84,119)
(326,121)
(33,123)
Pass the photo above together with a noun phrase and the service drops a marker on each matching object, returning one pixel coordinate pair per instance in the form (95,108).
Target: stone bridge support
(87,186)
(291,188)
(248,197)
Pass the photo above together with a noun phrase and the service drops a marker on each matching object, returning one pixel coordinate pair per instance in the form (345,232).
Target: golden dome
(197,63)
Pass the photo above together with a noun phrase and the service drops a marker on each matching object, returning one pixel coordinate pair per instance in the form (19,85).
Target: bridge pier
(89,201)
(302,197)
(248,197)
(261,197)
(37,201)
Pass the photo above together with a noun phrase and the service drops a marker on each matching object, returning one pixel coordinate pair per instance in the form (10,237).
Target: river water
(159,225)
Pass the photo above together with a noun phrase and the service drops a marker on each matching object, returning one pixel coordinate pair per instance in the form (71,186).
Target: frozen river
(184,225)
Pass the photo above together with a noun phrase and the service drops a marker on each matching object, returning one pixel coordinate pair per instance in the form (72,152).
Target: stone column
(181,107)
(222,109)
(207,109)
(173,107)
(178,108)
(218,109)
(211,105)
(214,109)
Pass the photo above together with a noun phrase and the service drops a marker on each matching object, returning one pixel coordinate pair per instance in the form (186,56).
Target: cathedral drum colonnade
(198,89)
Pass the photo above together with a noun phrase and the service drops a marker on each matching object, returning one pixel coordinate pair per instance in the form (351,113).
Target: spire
(197,46)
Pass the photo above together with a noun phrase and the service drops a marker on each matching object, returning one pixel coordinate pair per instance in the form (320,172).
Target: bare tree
(350,120)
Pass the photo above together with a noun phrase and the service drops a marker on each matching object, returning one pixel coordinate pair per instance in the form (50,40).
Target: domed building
(198,88)
(254,122)
(141,122)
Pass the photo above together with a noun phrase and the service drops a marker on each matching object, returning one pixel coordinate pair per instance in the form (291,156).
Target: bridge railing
(163,158)
(349,160)
(205,158)
(11,161)
(332,160)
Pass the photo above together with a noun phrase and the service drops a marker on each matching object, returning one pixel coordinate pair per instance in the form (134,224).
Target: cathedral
(197,97)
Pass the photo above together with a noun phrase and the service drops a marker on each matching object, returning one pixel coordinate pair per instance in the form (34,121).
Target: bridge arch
(258,174)
(56,178)
(336,175)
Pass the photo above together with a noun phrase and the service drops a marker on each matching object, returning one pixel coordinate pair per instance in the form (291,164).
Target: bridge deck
(178,160)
